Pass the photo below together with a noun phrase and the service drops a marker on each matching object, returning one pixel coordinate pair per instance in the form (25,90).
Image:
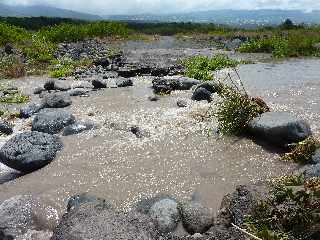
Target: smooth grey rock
(57,100)
(5,128)
(144,205)
(77,128)
(61,85)
(124,82)
(30,109)
(99,83)
(280,128)
(312,171)
(182,83)
(29,151)
(201,94)
(21,214)
(78,92)
(195,217)
(182,103)
(76,201)
(95,222)
(165,215)
(38,90)
(316,157)
(52,121)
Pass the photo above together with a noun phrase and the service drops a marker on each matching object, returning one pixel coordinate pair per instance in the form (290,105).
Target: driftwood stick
(245,232)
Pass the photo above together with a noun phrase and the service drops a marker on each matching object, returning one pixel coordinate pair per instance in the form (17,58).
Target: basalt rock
(57,100)
(5,128)
(29,151)
(124,82)
(201,94)
(77,128)
(30,109)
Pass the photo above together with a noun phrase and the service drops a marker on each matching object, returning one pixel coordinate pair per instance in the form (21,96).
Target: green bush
(67,67)
(201,67)
(12,34)
(235,111)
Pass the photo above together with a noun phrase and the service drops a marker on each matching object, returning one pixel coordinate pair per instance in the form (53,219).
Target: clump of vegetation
(288,43)
(67,67)
(11,67)
(235,110)
(302,152)
(12,34)
(11,96)
(292,212)
(201,67)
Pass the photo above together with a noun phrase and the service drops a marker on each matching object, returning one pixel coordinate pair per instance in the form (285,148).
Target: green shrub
(12,34)
(201,67)
(236,110)
(67,67)
(12,96)
(302,152)
(11,67)
(289,213)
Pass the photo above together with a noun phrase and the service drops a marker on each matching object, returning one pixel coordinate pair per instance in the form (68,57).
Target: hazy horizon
(107,7)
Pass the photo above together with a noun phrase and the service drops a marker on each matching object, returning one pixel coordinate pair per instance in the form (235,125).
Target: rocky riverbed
(124,144)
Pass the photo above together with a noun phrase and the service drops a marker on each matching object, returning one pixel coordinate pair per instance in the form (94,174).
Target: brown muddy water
(182,155)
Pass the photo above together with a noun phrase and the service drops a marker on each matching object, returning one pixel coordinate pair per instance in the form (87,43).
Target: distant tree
(288,24)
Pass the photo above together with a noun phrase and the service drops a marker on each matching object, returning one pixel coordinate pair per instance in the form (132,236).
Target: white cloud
(168,6)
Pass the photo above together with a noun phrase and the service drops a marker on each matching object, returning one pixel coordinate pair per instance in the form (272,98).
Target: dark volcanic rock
(30,151)
(195,217)
(49,84)
(161,86)
(124,82)
(77,128)
(153,98)
(235,206)
(30,109)
(104,62)
(128,72)
(280,128)
(5,128)
(8,49)
(56,85)
(165,215)
(96,222)
(52,121)
(210,86)
(182,83)
(20,214)
(76,201)
(139,132)
(57,100)
(38,90)
(201,94)
(144,205)
(99,83)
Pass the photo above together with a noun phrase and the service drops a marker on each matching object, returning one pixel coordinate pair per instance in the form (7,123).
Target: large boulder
(52,121)
(56,85)
(165,215)
(29,151)
(76,201)
(280,128)
(21,215)
(210,86)
(96,222)
(57,100)
(195,217)
(99,83)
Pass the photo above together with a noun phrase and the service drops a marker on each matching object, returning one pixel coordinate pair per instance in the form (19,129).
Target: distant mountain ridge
(230,17)
(38,10)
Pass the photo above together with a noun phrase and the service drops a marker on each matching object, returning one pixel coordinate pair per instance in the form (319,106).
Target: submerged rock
(5,128)
(165,215)
(96,222)
(201,94)
(77,128)
(29,151)
(20,215)
(57,100)
(52,122)
(124,82)
(195,217)
(280,128)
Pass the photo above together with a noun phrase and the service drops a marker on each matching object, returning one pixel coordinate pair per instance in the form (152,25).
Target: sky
(104,7)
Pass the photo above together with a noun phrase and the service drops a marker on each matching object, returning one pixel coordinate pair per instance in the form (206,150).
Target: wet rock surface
(52,121)
(27,152)
(280,128)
